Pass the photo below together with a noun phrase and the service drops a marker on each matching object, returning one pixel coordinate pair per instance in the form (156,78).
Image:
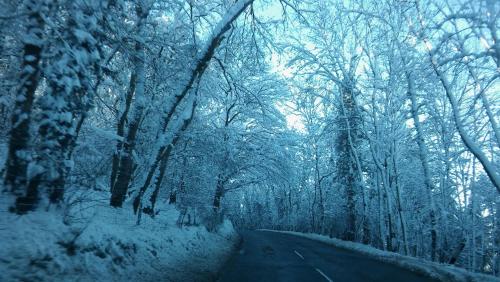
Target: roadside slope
(106,245)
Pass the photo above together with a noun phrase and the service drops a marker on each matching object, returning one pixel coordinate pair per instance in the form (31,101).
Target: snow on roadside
(442,272)
(104,244)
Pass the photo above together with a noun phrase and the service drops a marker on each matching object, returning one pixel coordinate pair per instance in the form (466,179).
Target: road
(272,256)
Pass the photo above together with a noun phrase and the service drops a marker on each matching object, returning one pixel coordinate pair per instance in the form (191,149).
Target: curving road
(271,256)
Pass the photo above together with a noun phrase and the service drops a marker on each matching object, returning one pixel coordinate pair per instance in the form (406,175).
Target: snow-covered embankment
(106,245)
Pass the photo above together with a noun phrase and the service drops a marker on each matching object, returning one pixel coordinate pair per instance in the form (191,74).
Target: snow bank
(104,244)
(442,272)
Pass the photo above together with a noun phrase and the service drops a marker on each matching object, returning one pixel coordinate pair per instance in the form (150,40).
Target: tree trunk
(159,180)
(68,95)
(458,250)
(162,160)
(126,162)
(219,193)
(496,239)
(402,220)
(381,217)
(120,129)
(16,167)
(388,208)
(347,161)
(424,160)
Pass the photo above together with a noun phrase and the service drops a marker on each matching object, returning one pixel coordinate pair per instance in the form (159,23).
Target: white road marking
(324,275)
(297,253)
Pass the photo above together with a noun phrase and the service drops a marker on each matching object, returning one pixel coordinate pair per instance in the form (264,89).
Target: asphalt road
(271,256)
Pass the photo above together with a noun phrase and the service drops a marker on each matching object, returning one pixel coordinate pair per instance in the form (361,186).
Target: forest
(373,121)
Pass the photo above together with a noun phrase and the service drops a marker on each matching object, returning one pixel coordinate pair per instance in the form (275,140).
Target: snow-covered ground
(104,244)
(442,272)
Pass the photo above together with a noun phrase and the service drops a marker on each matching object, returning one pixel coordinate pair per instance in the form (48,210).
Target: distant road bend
(272,256)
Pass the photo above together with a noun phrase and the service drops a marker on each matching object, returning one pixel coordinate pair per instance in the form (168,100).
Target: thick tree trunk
(68,95)
(125,171)
(16,167)
(120,129)
(126,162)
(347,164)
(124,174)
(56,135)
